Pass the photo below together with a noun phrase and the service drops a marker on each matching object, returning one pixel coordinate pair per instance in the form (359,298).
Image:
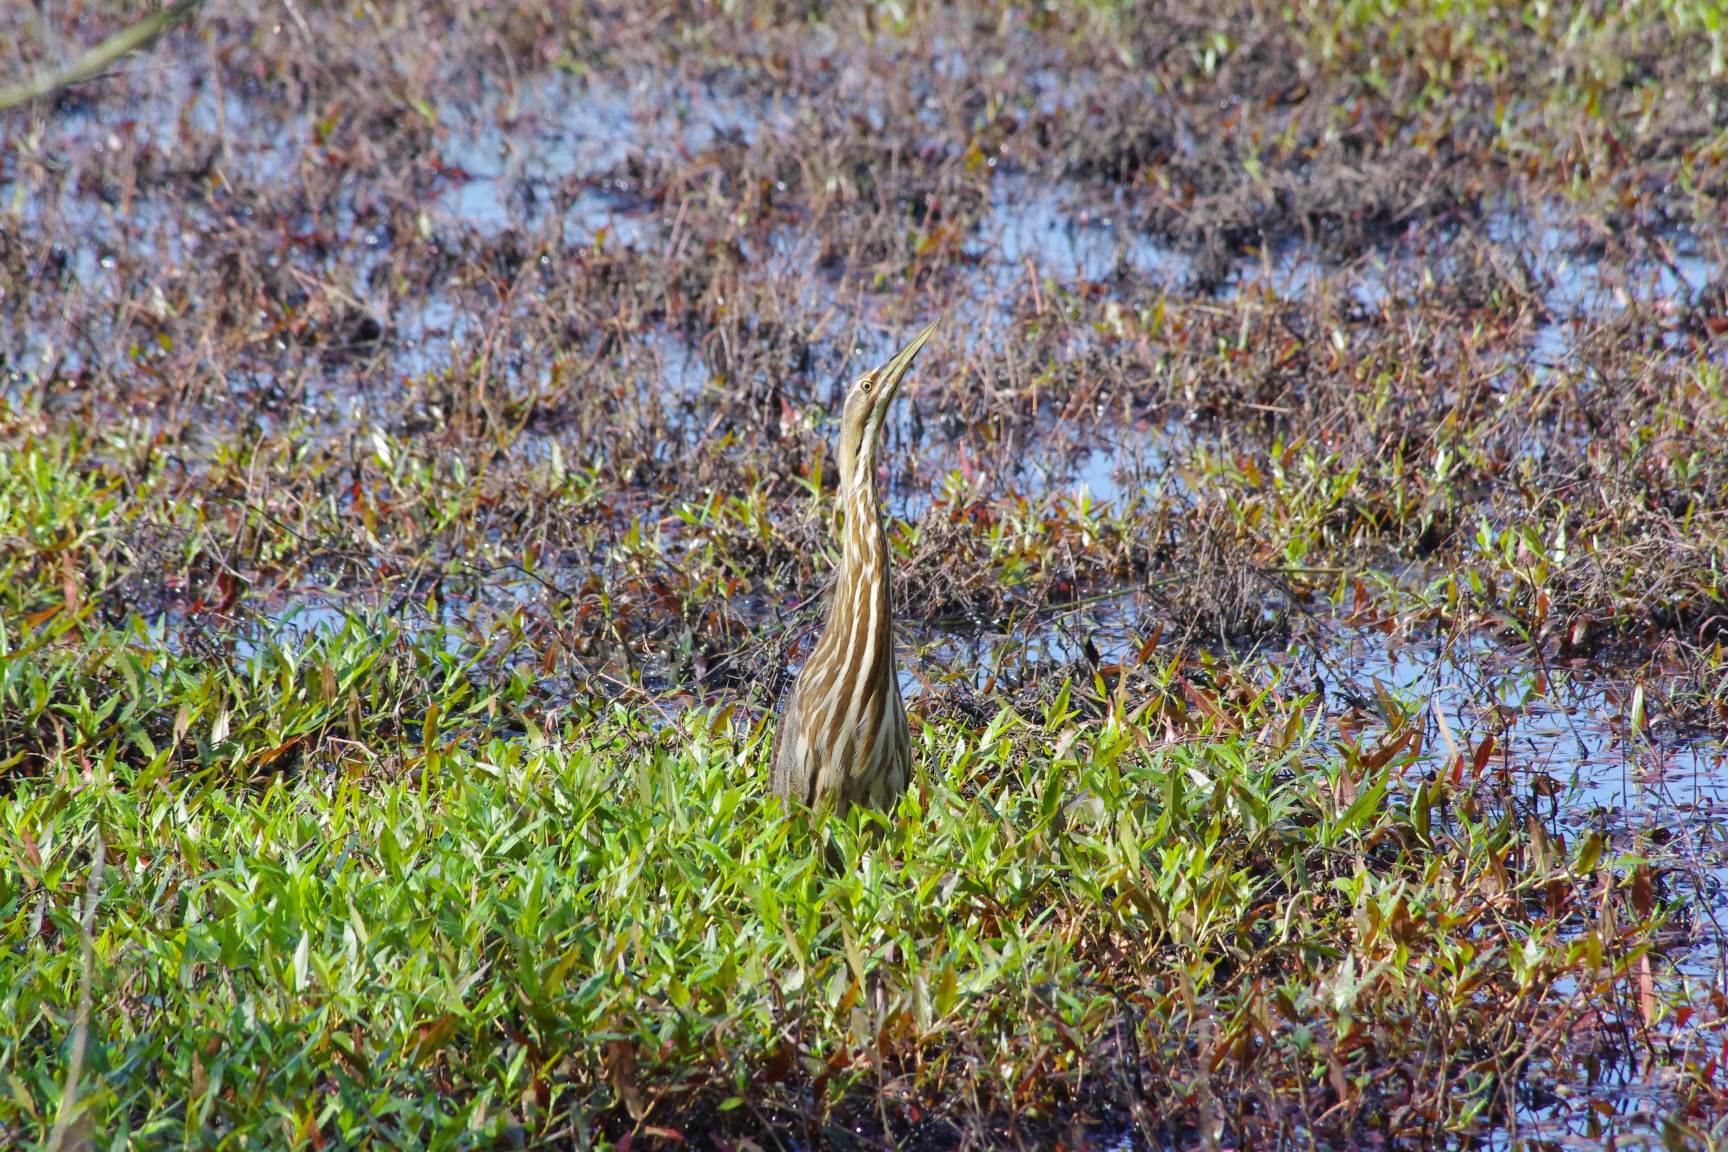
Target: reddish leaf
(270,756)
(1483,751)
(34,619)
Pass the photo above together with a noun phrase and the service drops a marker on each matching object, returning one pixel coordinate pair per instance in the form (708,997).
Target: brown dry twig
(94,61)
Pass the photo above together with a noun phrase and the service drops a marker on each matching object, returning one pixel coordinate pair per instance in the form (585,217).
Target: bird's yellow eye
(867,383)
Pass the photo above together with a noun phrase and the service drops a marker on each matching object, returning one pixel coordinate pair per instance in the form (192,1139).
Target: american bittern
(843,734)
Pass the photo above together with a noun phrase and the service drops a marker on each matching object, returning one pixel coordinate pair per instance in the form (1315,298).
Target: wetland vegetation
(1311,553)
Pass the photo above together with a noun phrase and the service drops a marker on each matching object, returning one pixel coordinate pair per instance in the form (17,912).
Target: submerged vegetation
(1310,532)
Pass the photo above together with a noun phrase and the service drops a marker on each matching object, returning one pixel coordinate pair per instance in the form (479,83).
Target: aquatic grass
(613,928)
(73,687)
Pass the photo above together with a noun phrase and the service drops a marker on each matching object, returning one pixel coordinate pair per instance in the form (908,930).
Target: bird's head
(867,404)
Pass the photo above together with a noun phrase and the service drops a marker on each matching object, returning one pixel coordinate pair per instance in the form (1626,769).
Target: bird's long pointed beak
(895,370)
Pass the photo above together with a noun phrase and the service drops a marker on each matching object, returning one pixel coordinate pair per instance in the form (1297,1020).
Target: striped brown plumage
(843,736)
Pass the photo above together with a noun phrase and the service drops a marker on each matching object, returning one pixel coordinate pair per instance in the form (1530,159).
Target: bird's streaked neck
(864,546)
(859,497)
(858,482)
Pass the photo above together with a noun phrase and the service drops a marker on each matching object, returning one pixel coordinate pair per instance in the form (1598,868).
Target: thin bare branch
(94,61)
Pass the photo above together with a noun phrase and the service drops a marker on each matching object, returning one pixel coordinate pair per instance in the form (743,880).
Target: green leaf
(1365,805)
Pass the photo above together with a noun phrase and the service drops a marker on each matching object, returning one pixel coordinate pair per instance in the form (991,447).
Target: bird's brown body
(843,736)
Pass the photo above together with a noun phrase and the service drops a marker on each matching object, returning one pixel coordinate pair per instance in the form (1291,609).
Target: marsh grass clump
(613,929)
